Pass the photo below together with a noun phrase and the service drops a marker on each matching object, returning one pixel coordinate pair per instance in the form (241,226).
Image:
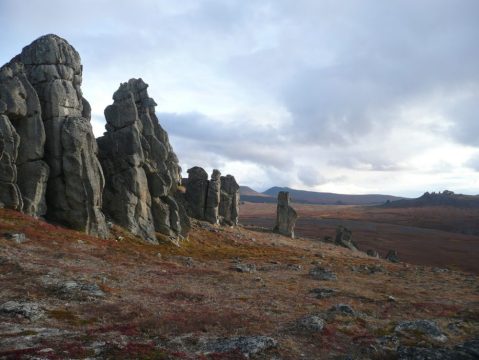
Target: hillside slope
(226,293)
(446,198)
(324,198)
(250,195)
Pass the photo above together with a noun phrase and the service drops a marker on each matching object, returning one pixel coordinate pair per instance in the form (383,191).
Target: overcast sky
(344,96)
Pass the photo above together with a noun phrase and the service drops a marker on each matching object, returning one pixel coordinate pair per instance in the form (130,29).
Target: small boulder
(392,256)
(16,237)
(71,289)
(245,268)
(246,345)
(321,273)
(372,253)
(344,238)
(342,309)
(310,323)
(426,327)
(28,310)
(322,293)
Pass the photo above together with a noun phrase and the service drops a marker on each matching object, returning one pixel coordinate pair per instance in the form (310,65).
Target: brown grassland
(159,298)
(433,236)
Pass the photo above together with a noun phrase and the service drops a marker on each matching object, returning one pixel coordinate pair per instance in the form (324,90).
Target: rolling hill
(446,198)
(312,197)
(250,195)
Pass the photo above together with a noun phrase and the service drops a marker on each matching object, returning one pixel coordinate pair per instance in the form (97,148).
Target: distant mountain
(312,197)
(248,194)
(446,198)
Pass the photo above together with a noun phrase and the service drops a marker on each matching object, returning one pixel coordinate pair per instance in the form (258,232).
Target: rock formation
(10,195)
(229,201)
(344,238)
(44,103)
(285,215)
(392,256)
(372,253)
(23,112)
(197,192)
(141,169)
(213,198)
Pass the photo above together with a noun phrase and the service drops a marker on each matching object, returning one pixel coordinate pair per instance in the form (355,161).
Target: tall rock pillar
(285,215)
(141,169)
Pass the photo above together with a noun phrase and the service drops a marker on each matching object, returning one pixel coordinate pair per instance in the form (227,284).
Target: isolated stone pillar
(285,215)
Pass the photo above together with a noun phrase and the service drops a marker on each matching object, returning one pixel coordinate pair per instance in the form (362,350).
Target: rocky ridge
(52,166)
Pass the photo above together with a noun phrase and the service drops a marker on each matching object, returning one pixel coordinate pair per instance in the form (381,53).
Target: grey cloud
(465,113)
(382,55)
(309,176)
(341,71)
(473,162)
(232,140)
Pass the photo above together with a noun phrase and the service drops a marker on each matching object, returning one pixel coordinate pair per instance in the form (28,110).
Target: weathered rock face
(229,200)
(197,192)
(10,195)
(344,237)
(22,107)
(213,198)
(392,256)
(285,215)
(58,171)
(75,183)
(141,169)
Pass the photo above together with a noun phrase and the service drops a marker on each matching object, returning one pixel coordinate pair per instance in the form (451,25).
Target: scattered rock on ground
(342,309)
(392,256)
(426,327)
(372,253)
(28,310)
(246,345)
(322,293)
(245,268)
(185,260)
(310,323)
(344,238)
(16,237)
(321,273)
(367,269)
(71,289)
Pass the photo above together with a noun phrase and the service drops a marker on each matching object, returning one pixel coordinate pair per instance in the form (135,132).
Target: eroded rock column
(22,107)
(75,185)
(213,198)
(285,215)
(229,201)
(140,166)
